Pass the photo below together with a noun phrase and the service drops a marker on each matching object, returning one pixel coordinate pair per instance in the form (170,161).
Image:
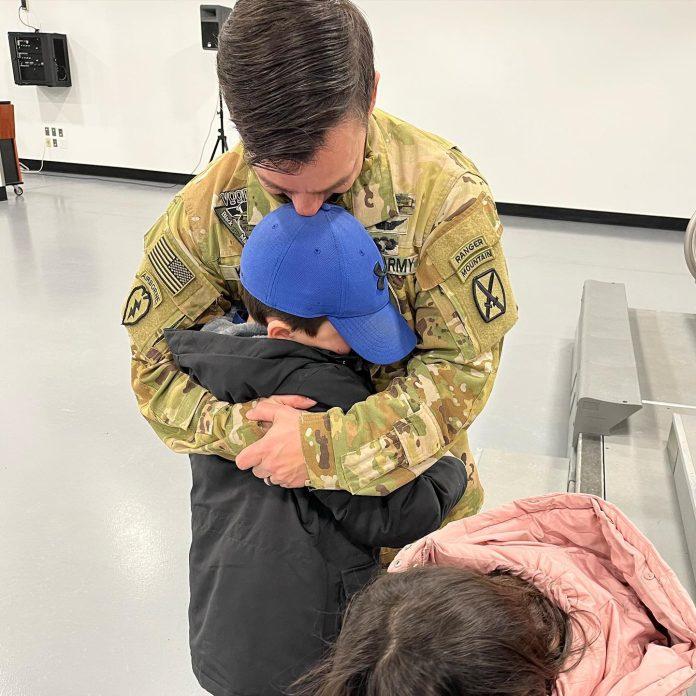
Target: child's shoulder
(330,383)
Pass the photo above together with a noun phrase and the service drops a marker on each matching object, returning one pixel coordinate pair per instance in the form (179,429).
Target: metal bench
(681,451)
(605,390)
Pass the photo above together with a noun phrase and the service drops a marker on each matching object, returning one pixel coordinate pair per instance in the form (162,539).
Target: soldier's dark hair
(261,313)
(290,70)
(436,631)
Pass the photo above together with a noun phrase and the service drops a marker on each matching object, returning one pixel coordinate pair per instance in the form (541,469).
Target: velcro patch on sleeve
(464,266)
(167,291)
(461,244)
(169,266)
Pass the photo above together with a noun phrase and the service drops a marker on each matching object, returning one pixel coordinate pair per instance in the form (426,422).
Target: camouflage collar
(371,198)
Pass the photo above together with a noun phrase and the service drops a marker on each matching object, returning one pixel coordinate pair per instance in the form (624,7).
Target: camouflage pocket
(178,405)
(420,437)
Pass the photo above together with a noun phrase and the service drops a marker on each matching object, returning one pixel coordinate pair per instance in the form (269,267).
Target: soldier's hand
(278,454)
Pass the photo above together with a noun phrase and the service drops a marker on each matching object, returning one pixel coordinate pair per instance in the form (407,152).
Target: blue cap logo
(381,274)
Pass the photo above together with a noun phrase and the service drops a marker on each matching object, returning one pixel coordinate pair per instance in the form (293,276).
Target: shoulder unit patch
(489,295)
(137,306)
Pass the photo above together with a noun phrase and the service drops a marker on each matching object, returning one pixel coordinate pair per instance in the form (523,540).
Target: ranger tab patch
(467,250)
(471,255)
(138,305)
(489,295)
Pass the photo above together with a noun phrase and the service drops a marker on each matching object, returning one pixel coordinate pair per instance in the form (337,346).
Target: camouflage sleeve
(463,308)
(174,288)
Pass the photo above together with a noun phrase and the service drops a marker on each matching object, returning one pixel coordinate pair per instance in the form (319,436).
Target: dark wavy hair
(290,70)
(437,631)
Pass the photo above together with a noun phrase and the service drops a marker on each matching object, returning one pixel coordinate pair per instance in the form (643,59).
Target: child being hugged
(271,569)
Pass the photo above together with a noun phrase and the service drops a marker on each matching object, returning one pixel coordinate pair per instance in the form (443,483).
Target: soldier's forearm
(384,442)
(186,417)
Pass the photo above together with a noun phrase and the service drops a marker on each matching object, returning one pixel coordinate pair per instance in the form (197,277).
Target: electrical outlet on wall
(54,136)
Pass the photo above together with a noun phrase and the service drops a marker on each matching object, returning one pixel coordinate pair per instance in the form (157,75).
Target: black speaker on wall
(212,19)
(39,58)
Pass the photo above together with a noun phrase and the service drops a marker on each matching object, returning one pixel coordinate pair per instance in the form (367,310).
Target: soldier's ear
(374,93)
(278,329)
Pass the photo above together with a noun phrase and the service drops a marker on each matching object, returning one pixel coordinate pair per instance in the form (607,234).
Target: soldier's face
(336,166)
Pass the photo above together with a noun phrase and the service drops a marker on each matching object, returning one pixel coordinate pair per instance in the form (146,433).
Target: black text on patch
(152,286)
(473,262)
(236,198)
(401,265)
(466,250)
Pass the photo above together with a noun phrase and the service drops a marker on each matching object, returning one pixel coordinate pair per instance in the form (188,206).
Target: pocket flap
(465,242)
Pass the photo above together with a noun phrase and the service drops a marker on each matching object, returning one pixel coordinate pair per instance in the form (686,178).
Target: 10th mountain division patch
(489,295)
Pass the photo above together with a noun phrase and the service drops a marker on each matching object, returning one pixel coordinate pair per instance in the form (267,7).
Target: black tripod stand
(222,138)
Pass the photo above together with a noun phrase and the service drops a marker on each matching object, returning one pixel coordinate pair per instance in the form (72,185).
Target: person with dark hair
(270,569)
(299,80)
(560,595)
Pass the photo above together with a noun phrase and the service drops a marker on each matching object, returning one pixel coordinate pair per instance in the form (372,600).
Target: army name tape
(401,265)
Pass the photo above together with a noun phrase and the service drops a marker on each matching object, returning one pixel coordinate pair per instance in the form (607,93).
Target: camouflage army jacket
(432,215)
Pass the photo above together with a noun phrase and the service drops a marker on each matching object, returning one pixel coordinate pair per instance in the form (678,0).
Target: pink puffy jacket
(584,554)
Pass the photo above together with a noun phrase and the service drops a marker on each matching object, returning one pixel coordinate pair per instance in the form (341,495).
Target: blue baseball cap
(327,265)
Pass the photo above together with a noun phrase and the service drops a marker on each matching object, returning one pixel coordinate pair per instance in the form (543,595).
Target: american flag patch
(174,273)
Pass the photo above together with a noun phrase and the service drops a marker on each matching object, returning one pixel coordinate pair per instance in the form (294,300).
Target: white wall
(575,104)
(143,90)
(572,104)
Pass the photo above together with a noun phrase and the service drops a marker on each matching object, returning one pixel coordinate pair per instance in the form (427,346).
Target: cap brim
(381,338)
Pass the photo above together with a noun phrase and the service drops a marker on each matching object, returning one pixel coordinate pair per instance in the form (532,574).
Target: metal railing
(690,246)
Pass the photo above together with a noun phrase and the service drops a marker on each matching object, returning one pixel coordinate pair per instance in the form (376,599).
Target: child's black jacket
(271,568)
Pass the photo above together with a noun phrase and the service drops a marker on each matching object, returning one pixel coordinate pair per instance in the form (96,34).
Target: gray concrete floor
(94,510)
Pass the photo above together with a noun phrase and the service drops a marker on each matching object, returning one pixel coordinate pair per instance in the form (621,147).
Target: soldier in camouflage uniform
(432,215)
